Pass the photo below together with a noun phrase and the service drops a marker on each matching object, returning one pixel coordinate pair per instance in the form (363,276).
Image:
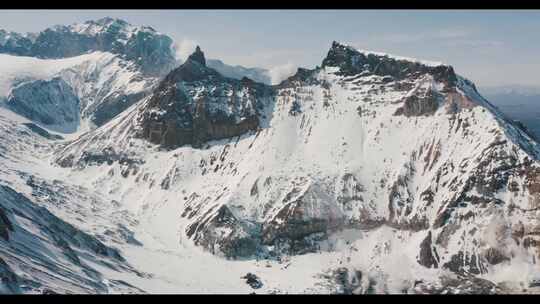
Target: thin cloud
(475,43)
(184,48)
(282,72)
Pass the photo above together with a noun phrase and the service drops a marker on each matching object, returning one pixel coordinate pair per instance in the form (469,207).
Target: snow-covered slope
(389,174)
(40,252)
(71,94)
(372,173)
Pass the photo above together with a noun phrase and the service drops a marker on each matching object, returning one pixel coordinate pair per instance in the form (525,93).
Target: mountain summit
(198,56)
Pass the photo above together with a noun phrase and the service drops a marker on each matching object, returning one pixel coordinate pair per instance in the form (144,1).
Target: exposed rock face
(461,285)
(428,256)
(415,105)
(305,218)
(114,105)
(194,104)
(352,62)
(198,56)
(349,282)
(465,263)
(222,233)
(494,256)
(50,102)
(253,280)
(150,50)
(301,77)
(5,225)
(9,281)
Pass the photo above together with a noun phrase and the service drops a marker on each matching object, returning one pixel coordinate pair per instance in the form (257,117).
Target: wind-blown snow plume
(184,48)
(281,72)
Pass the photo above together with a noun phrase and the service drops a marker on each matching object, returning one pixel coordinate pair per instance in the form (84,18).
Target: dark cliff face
(302,76)
(195,104)
(144,46)
(198,56)
(14,43)
(352,62)
(50,102)
(425,103)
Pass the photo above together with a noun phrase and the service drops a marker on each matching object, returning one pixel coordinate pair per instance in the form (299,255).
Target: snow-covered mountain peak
(352,61)
(150,50)
(337,46)
(107,24)
(108,21)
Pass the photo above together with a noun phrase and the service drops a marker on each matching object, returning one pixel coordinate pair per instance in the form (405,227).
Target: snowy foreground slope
(371,174)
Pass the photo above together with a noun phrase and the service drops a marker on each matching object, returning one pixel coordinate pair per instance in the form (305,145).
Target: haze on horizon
(492,48)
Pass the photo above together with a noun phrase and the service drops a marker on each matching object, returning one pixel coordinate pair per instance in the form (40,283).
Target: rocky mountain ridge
(149,49)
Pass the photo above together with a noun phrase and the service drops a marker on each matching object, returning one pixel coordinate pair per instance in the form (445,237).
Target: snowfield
(98,79)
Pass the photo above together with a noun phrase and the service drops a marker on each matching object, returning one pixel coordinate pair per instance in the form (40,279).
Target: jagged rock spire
(198,56)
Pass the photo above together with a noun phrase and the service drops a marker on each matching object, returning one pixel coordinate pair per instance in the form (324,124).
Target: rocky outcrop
(352,62)
(9,281)
(198,56)
(253,280)
(194,104)
(222,233)
(113,105)
(348,281)
(465,263)
(50,102)
(301,77)
(460,285)
(306,217)
(5,225)
(428,256)
(419,104)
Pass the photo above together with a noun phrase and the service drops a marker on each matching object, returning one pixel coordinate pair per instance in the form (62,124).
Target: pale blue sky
(489,47)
